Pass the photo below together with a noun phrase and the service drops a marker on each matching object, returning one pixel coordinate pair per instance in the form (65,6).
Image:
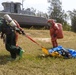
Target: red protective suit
(56,32)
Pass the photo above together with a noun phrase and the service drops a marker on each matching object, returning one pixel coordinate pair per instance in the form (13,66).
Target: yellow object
(55,54)
(45,51)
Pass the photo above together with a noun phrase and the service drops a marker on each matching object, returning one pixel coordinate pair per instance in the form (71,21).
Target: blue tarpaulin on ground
(72,52)
(60,48)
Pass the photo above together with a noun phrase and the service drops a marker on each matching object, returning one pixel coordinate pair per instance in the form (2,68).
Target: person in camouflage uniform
(11,37)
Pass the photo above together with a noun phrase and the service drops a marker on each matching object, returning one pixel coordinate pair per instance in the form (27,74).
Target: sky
(42,5)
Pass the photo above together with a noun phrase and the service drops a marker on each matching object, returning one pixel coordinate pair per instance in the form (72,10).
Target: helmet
(51,21)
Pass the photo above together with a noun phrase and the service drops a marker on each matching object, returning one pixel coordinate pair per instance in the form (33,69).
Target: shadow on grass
(49,56)
(42,56)
(3,59)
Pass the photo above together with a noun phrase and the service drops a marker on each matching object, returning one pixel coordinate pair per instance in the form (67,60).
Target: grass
(32,62)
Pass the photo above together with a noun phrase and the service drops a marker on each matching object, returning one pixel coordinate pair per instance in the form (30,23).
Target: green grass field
(32,62)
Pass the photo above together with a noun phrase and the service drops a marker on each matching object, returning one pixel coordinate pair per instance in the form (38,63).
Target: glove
(18,31)
(23,32)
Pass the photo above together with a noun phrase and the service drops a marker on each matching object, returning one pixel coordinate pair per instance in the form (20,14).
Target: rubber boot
(21,53)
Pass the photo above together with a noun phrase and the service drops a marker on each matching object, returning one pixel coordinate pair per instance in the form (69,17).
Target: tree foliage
(55,10)
(73,19)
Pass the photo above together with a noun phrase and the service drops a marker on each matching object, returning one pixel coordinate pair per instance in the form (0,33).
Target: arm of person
(18,26)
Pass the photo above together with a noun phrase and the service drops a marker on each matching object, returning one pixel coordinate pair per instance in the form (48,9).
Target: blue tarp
(60,48)
(72,52)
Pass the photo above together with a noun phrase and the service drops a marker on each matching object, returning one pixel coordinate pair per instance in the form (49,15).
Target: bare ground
(43,39)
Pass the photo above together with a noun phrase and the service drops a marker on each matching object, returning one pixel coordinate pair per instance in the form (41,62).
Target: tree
(73,19)
(41,14)
(55,10)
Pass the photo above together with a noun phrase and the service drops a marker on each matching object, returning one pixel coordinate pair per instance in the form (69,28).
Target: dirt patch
(43,39)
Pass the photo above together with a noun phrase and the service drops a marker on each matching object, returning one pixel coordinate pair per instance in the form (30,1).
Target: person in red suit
(56,32)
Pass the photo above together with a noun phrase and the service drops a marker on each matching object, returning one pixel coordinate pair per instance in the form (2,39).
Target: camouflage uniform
(10,40)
